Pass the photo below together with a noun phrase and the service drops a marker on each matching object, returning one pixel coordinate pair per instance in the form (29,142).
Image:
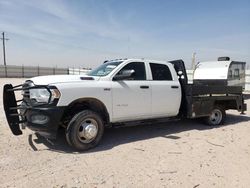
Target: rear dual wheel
(85,130)
(216,117)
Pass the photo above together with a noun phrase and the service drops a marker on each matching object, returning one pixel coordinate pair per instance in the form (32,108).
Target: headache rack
(15,109)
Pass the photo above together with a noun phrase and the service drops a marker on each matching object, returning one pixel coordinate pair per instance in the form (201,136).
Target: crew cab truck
(119,92)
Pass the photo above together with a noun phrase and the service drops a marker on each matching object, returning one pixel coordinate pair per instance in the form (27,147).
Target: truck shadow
(117,136)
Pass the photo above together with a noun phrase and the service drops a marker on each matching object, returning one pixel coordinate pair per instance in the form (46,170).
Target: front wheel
(85,130)
(217,116)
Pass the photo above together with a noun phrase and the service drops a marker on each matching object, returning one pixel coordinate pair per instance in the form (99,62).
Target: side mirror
(124,75)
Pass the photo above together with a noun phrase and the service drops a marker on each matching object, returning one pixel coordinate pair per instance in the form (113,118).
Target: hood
(46,80)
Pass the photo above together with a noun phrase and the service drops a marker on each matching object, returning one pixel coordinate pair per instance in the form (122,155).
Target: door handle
(144,87)
(175,87)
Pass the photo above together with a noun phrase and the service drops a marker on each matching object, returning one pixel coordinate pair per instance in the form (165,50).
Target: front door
(132,96)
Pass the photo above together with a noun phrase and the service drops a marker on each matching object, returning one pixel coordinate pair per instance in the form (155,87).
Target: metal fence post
(22,71)
(38,70)
(5,69)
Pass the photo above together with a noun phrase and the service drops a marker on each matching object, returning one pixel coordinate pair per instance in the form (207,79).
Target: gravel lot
(173,154)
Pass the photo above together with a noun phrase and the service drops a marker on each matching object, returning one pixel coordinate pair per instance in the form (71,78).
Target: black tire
(79,124)
(217,116)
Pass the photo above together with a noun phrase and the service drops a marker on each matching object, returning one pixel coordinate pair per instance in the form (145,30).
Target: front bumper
(47,128)
(43,119)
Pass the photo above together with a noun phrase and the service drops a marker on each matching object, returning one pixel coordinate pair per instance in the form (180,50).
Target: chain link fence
(12,71)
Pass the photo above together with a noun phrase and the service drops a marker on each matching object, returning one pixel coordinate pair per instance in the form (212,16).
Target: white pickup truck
(119,92)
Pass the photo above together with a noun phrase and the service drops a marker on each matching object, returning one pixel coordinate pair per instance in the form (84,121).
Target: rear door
(132,97)
(166,90)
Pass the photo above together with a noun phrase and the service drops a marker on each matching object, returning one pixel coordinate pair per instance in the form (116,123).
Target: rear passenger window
(160,72)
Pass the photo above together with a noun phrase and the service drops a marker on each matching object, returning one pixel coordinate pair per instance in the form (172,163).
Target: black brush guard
(12,108)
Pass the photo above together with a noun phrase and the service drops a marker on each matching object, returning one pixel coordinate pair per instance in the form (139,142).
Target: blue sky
(84,33)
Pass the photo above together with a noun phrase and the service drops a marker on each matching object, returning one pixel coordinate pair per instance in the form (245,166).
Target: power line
(4,39)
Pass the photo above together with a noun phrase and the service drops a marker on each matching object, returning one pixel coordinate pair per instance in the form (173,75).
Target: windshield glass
(105,68)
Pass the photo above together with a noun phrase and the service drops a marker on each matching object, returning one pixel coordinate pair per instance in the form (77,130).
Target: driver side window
(138,67)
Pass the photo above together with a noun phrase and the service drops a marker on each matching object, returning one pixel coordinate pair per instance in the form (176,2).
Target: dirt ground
(173,154)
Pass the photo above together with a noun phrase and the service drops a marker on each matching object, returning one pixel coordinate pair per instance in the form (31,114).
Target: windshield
(105,68)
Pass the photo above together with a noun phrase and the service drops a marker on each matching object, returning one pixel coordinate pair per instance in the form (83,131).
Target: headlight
(42,95)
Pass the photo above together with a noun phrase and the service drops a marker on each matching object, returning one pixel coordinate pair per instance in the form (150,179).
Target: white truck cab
(132,97)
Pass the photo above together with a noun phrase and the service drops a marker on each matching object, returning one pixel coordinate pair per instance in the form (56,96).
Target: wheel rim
(215,117)
(88,130)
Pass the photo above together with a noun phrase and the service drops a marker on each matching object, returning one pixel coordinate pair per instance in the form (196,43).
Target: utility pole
(4,57)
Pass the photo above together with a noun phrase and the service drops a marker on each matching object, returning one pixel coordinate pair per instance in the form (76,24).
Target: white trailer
(221,72)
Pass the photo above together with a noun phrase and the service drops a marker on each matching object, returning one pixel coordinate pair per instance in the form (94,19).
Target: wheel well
(85,104)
